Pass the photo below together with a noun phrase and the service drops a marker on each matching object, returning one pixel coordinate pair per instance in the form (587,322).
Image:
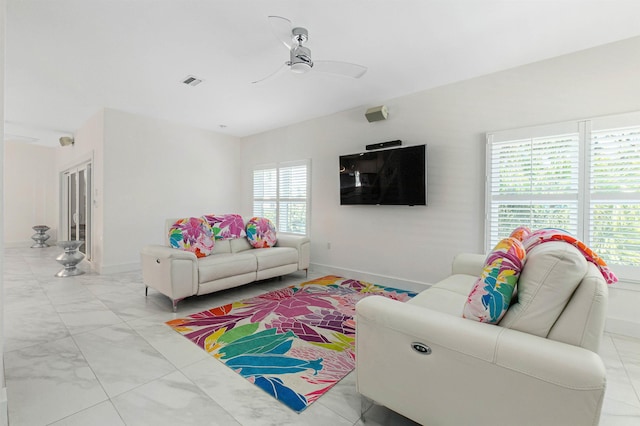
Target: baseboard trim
(373,278)
(116,269)
(25,243)
(623,327)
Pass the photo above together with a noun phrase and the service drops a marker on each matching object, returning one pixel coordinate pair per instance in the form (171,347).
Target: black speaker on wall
(383,145)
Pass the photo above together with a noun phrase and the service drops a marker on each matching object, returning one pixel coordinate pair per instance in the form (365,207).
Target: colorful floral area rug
(294,343)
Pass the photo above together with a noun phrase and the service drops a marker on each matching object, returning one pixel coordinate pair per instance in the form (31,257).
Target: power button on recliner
(421,347)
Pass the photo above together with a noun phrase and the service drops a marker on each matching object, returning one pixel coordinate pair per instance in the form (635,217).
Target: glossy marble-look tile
(629,350)
(619,385)
(172,345)
(86,316)
(66,290)
(28,326)
(48,382)
(130,306)
(103,414)
(171,400)
(378,415)
(25,294)
(343,398)
(121,359)
(616,413)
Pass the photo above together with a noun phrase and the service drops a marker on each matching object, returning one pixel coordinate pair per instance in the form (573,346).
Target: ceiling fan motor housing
(300,59)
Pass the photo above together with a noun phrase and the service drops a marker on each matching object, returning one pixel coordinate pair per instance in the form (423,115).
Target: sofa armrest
(468,264)
(172,272)
(300,243)
(544,381)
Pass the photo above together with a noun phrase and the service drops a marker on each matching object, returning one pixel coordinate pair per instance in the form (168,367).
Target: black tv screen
(385,177)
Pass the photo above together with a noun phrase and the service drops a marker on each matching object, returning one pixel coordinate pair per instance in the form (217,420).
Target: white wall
(3,390)
(30,193)
(155,170)
(416,244)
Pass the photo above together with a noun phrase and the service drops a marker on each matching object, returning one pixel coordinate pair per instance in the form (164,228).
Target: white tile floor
(93,350)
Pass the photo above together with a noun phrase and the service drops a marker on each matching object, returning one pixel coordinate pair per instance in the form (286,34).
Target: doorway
(76,206)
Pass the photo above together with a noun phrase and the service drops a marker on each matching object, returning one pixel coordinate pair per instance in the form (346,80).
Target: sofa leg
(146,290)
(175,305)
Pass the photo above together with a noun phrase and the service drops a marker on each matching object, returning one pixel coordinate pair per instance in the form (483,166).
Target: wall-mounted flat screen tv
(385,177)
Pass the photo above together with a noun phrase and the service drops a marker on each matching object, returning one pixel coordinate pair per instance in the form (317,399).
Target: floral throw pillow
(226,226)
(192,234)
(491,294)
(261,232)
(521,233)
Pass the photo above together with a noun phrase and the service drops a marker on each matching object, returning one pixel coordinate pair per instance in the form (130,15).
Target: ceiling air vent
(191,80)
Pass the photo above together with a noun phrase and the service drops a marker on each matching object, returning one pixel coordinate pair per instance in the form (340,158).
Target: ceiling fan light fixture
(300,67)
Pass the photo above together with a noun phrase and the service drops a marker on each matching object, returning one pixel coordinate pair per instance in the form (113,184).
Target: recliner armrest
(468,264)
(300,243)
(172,272)
(165,252)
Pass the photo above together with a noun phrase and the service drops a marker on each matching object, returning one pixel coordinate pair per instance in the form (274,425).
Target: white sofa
(178,274)
(538,366)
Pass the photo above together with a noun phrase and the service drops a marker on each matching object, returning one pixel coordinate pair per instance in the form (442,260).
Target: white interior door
(77,206)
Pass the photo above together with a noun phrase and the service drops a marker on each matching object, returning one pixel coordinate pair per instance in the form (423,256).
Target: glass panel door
(77,202)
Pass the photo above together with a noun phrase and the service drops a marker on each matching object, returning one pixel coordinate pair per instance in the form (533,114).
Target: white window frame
(584,128)
(278,199)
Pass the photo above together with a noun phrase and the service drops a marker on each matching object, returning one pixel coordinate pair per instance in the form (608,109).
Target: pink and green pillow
(261,232)
(226,226)
(192,234)
(491,294)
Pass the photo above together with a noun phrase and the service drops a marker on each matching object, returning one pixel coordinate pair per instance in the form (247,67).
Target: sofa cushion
(225,265)
(261,232)
(547,282)
(491,294)
(226,226)
(447,296)
(550,234)
(274,257)
(192,234)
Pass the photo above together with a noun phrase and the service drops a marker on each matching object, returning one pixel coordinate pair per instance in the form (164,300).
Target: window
(583,177)
(281,193)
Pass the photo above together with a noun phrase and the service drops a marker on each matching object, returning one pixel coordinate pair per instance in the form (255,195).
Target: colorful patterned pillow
(226,226)
(521,233)
(491,294)
(192,234)
(261,233)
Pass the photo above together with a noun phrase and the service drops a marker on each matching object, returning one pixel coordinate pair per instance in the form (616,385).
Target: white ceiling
(66,59)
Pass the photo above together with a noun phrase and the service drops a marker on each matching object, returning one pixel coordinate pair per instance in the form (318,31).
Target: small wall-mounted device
(381,145)
(377,113)
(66,140)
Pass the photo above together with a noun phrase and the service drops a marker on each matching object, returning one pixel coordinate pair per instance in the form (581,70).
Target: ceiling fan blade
(273,74)
(341,68)
(281,28)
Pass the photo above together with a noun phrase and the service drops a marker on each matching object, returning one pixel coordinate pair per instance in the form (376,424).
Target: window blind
(583,177)
(280,193)
(614,198)
(533,182)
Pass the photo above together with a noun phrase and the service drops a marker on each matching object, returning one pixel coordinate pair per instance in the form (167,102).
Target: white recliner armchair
(538,366)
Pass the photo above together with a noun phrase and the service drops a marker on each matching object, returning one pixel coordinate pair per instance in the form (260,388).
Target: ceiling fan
(300,56)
